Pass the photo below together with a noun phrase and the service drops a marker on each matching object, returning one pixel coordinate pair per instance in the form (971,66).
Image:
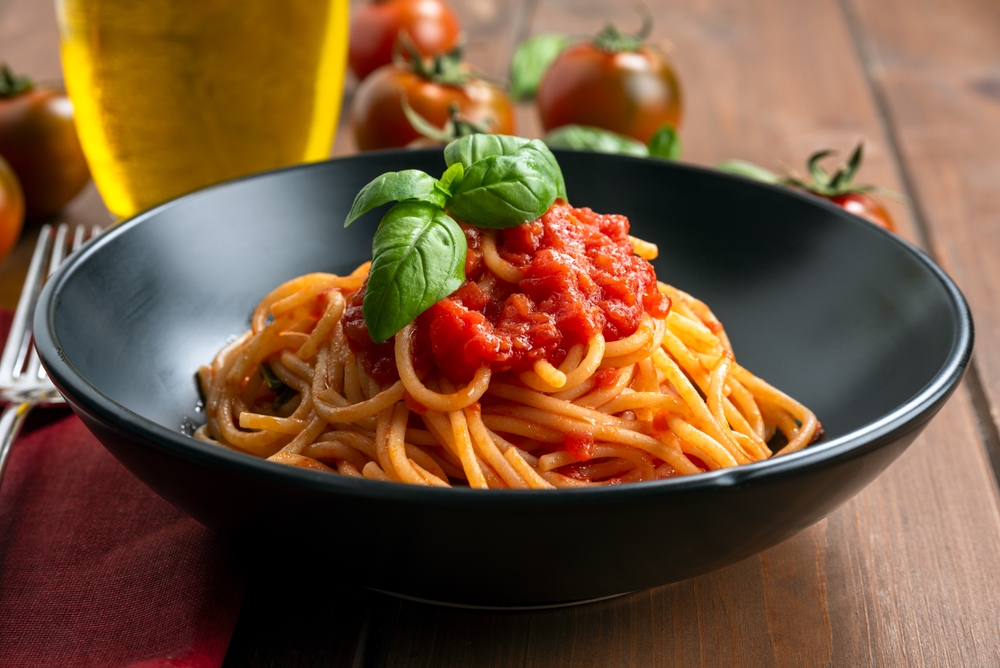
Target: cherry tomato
(631,91)
(864,205)
(431,25)
(379,121)
(11,209)
(38,139)
(838,187)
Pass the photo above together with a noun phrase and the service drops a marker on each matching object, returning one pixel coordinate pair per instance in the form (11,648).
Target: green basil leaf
(418,259)
(555,172)
(473,148)
(665,143)
(452,177)
(395,187)
(504,190)
(588,138)
(273,382)
(531,59)
(283,393)
(749,170)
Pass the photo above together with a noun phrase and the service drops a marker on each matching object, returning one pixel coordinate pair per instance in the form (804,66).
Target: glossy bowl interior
(855,323)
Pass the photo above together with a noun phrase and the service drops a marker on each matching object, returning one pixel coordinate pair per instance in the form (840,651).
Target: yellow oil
(174,95)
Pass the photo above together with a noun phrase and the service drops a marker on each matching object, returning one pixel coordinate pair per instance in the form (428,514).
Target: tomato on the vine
(431,26)
(838,187)
(38,139)
(11,209)
(616,82)
(431,88)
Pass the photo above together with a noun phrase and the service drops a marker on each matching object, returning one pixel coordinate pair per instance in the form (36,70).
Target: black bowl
(854,322)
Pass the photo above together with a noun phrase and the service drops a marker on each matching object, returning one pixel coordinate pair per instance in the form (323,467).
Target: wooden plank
(906,573)
(936,68)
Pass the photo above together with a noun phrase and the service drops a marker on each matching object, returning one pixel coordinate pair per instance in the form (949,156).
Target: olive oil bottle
(174,95)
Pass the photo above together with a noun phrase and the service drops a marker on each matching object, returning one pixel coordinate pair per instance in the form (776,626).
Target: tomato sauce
(580,278)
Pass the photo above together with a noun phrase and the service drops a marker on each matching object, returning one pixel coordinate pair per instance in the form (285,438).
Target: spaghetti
(561,362)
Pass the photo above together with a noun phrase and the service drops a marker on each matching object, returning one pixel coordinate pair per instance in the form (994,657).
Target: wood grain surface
(905,574)
(935,68)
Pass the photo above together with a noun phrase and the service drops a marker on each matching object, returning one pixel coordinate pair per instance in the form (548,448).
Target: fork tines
(19,360)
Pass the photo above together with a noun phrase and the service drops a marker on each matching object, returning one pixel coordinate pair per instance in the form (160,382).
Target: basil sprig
(418,253)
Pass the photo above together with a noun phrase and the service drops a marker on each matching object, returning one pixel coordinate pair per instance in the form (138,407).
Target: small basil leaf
(395,187)
(665,143)
(531,59)
(587,138)
(749,170)
(274,383)
(283,393)
(452,177)
(418,259)
(504,190)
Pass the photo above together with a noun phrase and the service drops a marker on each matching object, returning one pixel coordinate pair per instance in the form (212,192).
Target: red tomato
(377,112)
(38,139)
(431,25)
(866,206)
(11,209)
(631,92)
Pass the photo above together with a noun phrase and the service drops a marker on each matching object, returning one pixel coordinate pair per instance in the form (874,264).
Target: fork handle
(11,422)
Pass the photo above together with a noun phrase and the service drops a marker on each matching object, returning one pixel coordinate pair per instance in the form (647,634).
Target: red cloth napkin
(96,569)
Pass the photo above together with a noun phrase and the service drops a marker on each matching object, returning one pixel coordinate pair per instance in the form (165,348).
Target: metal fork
(23,382)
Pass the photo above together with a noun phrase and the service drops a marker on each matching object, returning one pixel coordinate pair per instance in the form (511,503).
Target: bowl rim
(909,416)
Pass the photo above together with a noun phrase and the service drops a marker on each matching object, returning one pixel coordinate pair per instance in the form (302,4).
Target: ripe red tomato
(11,209)
(38,139)
(616,83)
(379,121)
(431,25)
(864,205)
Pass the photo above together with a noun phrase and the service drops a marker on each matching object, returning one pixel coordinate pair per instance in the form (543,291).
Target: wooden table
(906,573)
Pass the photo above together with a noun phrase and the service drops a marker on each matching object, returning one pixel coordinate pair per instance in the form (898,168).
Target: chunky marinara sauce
(580,278)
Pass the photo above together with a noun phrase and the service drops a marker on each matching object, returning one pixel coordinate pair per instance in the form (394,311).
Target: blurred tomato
(11,209)
(377,114)
(38,139)
(615,82)
(865,205)
(431,26)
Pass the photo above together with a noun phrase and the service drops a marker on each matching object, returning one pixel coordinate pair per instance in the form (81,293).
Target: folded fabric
(96,569)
